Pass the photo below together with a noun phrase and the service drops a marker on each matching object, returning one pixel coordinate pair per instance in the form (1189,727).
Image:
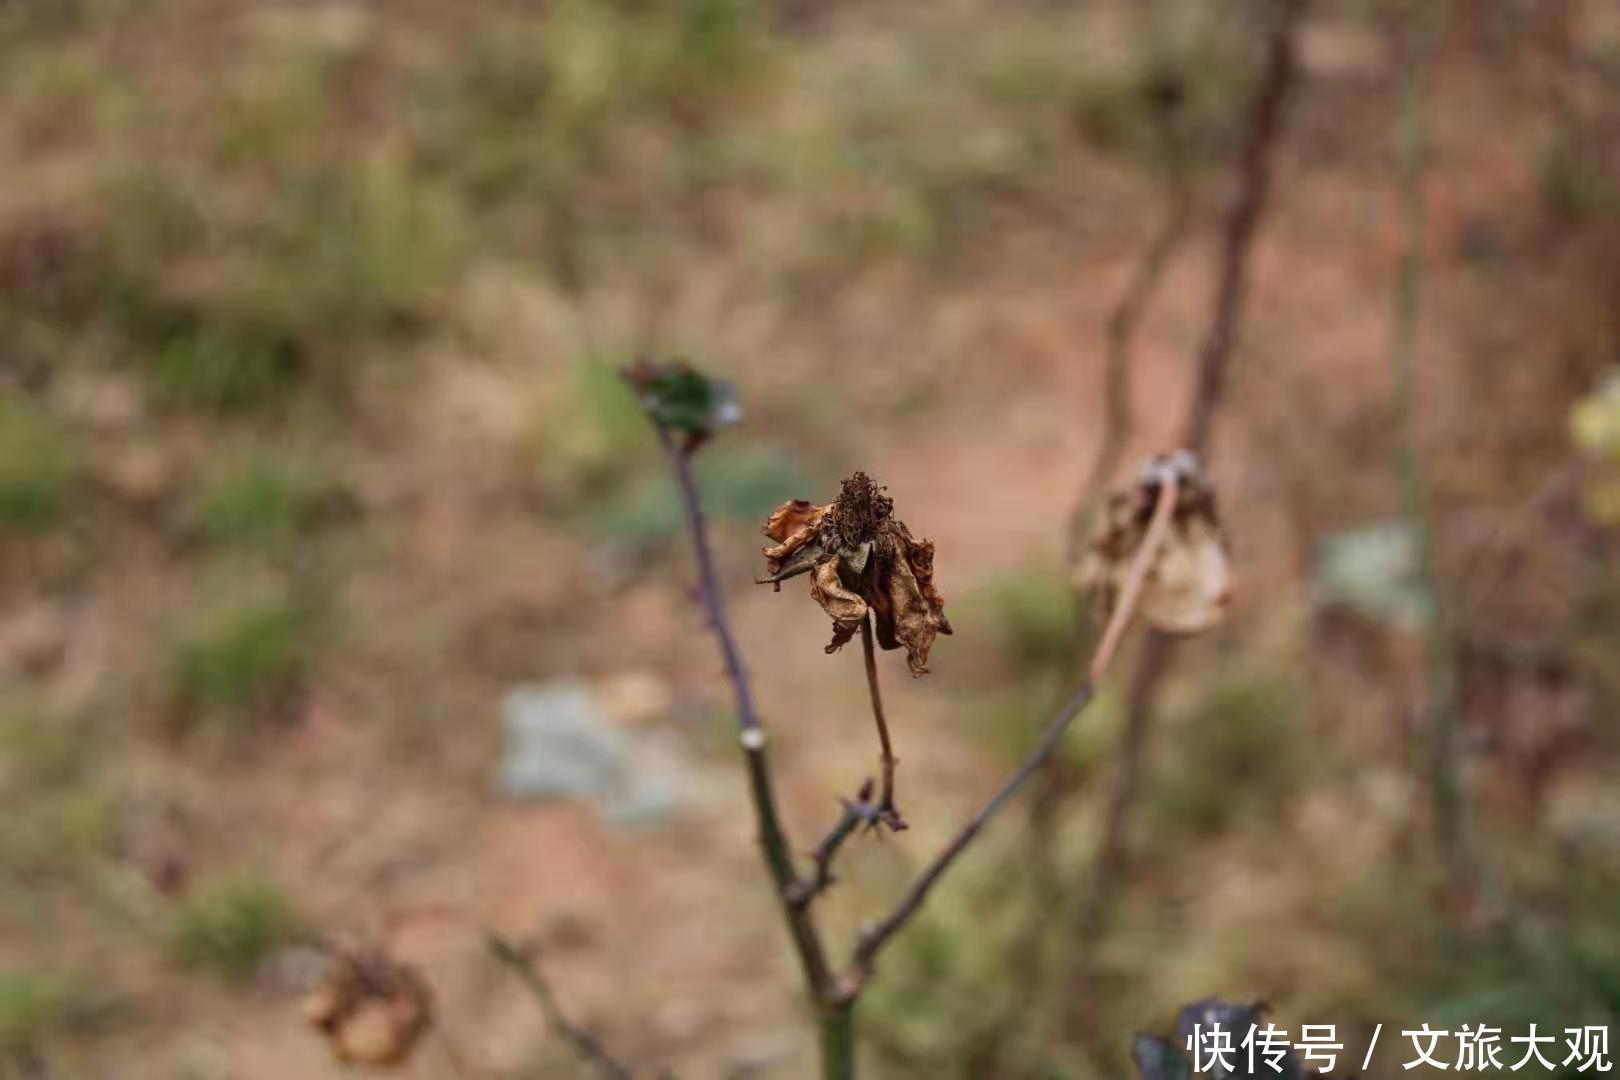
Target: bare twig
(1263,131)
(875,936)
(1243,219)
(584,1044)
(888,813)
(1158,525)
(1118,422)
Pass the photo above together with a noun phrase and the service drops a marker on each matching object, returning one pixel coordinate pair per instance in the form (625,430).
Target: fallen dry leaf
(862,561)
(372,1009)
(1188,587)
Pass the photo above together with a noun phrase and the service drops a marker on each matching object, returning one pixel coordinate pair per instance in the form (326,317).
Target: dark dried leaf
(916,608)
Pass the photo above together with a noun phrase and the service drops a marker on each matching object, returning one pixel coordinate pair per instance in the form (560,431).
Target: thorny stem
(1264,128)
(856,813)
(583,1042)
(888,813)
(773,842)
(874,937)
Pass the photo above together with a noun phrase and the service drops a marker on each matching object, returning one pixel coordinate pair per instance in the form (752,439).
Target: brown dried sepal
(1188,587)
(372,1009)
(862,560)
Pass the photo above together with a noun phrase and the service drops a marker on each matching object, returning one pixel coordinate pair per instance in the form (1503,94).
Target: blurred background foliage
(312,449)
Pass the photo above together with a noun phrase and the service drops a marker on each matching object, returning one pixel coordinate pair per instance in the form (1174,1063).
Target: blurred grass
(38,466)
(260,500)
(1029,614)
(1188,77)
(1238,750)
(1575,186)
(59,814)
(591,437)
(35,1003)
(235,314)
(230,927)
(248,658)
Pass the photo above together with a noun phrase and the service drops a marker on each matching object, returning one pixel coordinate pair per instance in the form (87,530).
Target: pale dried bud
(1188,587)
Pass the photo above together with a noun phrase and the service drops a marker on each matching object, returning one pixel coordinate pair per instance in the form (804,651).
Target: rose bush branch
(870,576)
(772,839)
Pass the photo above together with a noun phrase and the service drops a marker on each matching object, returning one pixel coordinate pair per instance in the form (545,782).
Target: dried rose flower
(1189,585)
(861,559)
(372,1009)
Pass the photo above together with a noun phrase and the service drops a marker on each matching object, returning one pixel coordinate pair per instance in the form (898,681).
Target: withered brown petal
(876,588)
(845,608)
(794,517)
(918,608)
(921,556)
(792,525)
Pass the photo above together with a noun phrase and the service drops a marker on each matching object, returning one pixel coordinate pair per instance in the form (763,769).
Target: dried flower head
(682,400)
(372,1009)
(861,559)
(1189,585)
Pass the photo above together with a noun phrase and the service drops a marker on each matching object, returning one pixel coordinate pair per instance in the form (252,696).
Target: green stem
(838,1041)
